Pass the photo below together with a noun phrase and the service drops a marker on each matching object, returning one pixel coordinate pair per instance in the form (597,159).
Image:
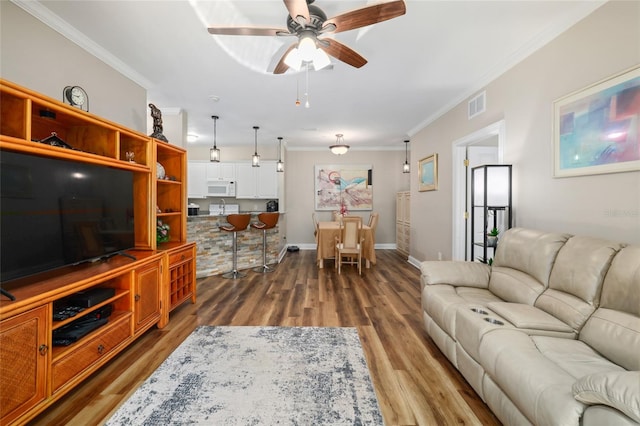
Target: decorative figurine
(156,114)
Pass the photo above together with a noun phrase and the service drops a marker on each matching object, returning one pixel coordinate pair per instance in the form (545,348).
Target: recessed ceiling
(419,65)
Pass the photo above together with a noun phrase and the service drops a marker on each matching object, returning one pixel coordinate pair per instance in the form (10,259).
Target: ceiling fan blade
(281,67)
(298,10)
(343,53)
(247,31)
(367,15)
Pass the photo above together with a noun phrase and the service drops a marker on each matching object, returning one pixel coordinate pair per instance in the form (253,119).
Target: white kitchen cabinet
(221,171)
(196,179)
(257,182)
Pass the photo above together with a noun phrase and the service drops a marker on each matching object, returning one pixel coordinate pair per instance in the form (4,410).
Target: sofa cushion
(530,251)
(515,286)
(538,372)
(440,302)
(456,273)
(617,389)
(615,335)
(529,318)
(621,288)
(614,329)
(576,279)
(536,385)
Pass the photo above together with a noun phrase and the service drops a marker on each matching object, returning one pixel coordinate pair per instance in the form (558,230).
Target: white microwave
(221,188)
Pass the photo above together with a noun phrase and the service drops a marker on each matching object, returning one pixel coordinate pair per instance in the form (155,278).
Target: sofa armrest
(616,389)
(455,273)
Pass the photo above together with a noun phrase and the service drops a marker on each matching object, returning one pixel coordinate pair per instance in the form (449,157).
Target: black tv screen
(59,212)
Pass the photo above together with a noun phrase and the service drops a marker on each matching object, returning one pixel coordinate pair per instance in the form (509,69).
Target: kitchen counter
(214,247)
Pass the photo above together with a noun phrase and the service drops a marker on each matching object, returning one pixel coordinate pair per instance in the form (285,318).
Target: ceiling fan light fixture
(307,47)
(294,59)
(340,148)
(320,59)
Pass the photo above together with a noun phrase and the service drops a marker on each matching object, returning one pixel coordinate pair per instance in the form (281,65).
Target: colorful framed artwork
(597,129)
(428,173)
(343,187)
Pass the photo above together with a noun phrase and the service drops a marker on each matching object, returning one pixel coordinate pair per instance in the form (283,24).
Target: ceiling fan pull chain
(307,92)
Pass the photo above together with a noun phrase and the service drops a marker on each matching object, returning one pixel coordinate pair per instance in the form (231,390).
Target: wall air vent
(477,105)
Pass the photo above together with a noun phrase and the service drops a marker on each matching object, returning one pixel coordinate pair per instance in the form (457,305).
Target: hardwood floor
(414,382)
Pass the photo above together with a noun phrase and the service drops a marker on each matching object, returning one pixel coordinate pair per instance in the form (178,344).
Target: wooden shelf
(146,288)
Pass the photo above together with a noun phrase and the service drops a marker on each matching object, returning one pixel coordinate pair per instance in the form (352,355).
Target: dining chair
(349,244)
(373,221)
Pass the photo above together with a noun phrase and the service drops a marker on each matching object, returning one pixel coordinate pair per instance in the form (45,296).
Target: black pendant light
(280,164)
(214,153)
(255,159)
(405,167)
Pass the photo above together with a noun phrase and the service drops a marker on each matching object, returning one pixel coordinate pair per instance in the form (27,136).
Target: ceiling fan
(308,22)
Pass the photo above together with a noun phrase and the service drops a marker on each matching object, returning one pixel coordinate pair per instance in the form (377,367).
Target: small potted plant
(162,232)
(492,237)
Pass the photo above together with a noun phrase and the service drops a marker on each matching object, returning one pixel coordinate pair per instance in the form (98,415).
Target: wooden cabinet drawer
(90,351)
(180,256)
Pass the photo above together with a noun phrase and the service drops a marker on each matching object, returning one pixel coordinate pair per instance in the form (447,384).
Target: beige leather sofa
(548,335)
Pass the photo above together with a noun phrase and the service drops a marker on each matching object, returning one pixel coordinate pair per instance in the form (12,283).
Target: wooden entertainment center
(146,288)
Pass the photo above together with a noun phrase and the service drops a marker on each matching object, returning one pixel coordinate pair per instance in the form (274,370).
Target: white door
(492,136)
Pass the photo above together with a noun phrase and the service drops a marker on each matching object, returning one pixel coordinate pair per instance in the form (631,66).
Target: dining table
(326,243)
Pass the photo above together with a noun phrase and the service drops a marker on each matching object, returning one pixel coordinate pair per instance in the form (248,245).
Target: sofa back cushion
(576,279)
(522,264)
(614,328)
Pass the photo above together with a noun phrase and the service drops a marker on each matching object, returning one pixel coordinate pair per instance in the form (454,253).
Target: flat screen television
(56,212)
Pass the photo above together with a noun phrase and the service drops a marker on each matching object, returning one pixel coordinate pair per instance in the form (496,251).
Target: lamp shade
(496,181)
(339,149)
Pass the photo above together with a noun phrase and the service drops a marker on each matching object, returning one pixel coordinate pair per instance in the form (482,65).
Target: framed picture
(344,187)
(597,130)
(428,173)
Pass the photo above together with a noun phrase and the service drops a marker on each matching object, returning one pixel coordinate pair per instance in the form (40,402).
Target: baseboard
(414,262)
(313,246)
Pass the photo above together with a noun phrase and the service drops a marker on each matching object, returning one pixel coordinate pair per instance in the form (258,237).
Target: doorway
(485,146)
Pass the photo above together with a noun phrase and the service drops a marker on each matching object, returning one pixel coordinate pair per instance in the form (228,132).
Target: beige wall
(607,206)
(299,190)
(37,57)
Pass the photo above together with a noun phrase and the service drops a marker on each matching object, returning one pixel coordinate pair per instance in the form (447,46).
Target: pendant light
(214,153)
(255,160)
(405,167)
(339,148)
(280,164)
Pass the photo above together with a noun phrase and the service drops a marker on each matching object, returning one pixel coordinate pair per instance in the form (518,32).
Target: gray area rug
(258,376)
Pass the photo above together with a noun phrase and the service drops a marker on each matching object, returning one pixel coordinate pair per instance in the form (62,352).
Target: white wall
(607,206)
(38,58)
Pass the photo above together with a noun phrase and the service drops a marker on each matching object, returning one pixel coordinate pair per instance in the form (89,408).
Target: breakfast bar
(214,248)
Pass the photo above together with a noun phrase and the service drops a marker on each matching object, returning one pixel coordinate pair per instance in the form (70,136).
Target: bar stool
(238,222)
(267,221)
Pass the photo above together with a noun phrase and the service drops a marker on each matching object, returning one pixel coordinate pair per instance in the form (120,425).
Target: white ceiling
(420,64)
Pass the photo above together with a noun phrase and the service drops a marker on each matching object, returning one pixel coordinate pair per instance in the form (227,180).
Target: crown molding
(351,148)
(42,13)
(583,9)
